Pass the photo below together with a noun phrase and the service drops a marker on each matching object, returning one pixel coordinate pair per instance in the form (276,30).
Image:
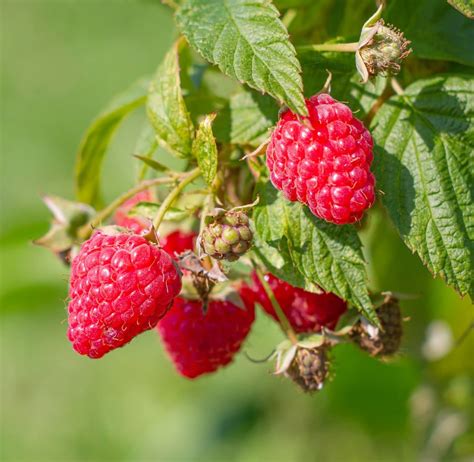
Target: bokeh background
(61,62)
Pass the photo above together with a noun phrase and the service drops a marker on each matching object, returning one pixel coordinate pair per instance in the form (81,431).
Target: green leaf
(247,40)
(310,253)
(423,165)
(94,145)
(466,7)
(247,119)
(166,107)
(145,147)
(437,31)
(152,163)
(205,149)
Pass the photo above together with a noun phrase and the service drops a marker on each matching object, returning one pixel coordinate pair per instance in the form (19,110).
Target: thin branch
(173,195)
(397,88)
(284,323)
(340,47)
(87,229)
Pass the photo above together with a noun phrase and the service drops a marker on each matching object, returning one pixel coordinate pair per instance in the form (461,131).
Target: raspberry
(198,342)
(324,161)
(306,311)
(310,368)
(227,235)
(178,242)
(385,342)
(136,224)
(120,286)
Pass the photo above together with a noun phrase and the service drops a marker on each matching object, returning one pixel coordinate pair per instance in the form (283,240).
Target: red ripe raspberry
(306,312)
(120,286)
(324,161)
(198,342)
(178,242)
(136,224)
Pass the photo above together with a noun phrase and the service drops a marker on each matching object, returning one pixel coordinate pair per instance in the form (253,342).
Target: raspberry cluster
(120,286)
(324,160)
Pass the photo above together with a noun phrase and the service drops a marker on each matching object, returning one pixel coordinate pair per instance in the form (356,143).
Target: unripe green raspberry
(385,51)
(310,368)
(227,235)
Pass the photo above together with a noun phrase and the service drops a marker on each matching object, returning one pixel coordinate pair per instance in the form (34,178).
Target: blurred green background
(61,62)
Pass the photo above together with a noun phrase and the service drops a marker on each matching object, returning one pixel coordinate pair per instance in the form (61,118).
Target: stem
(173,195)
(341,47)
(284,323)
(86,230)
(397,88)
(171,3)
(386,94)
(288,17)
(207,206)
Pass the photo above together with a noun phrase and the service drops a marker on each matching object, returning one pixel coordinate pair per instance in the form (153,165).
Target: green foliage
(466,7)
(205,149)
(437,31)
(424,168)
(246,119)
(166,107)
(94,145)
(247,41)
(310,253)
(145,147)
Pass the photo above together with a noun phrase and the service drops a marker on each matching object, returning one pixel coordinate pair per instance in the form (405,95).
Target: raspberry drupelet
(324,160)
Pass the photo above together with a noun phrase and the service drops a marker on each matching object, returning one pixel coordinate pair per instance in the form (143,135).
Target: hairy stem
(397,88)
(173,195)
(87,229)
(284,323)
(341,47)
(385,95)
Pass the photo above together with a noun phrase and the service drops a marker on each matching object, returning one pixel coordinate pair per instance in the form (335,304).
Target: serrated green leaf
(205,149)
(166,107)
(310,253)
(247,40)
(94,145)
(436,30)
(465,7)
(247,119)
(423,165)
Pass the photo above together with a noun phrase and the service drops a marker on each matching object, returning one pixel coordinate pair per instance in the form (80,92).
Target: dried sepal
(384,341)
(381,49)
(68,218)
